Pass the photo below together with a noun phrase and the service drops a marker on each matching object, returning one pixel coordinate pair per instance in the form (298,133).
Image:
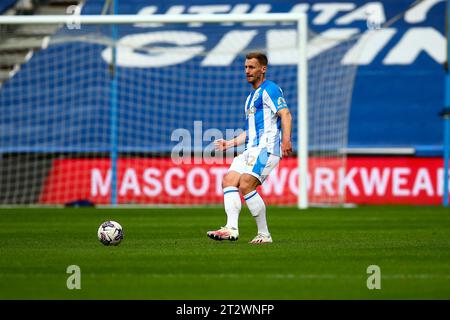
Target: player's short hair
(261,57)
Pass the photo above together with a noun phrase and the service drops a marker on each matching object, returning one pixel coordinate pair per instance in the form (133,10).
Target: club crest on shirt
(251,110)
(281,103)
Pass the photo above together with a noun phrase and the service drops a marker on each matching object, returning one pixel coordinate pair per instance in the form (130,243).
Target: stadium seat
(20,41)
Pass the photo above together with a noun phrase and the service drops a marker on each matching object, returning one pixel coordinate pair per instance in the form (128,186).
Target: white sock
(258,209)
(232,202)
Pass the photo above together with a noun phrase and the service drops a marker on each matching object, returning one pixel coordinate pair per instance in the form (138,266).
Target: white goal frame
(302,64)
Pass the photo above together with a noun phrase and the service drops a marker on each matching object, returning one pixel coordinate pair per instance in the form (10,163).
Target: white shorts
(255,161)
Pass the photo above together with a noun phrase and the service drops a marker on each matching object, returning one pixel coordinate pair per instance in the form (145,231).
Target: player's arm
(222,145)
(286,126)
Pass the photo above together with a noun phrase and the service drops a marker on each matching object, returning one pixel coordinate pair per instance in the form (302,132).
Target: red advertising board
(363,180)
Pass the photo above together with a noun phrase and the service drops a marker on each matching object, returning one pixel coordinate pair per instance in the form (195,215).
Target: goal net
(103,113)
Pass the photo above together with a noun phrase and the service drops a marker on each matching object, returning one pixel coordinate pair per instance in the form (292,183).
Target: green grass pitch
(165,254)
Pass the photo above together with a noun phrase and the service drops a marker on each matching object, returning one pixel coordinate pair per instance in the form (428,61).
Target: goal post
(67,124)
(302,113)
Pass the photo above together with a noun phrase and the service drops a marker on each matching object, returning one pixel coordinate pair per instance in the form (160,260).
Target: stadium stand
(381,96)
(18,43)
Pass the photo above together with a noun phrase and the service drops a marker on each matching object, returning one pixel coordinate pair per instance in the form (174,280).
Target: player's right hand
(220,145)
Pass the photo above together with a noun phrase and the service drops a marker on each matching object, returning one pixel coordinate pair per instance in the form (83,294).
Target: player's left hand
(286,147)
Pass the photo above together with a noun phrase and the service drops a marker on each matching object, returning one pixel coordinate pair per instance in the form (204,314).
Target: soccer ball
(110,233)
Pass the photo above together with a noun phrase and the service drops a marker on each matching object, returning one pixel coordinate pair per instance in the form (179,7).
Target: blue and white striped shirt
(263,126)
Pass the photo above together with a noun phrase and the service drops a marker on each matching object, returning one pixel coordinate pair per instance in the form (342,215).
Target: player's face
(254,71)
